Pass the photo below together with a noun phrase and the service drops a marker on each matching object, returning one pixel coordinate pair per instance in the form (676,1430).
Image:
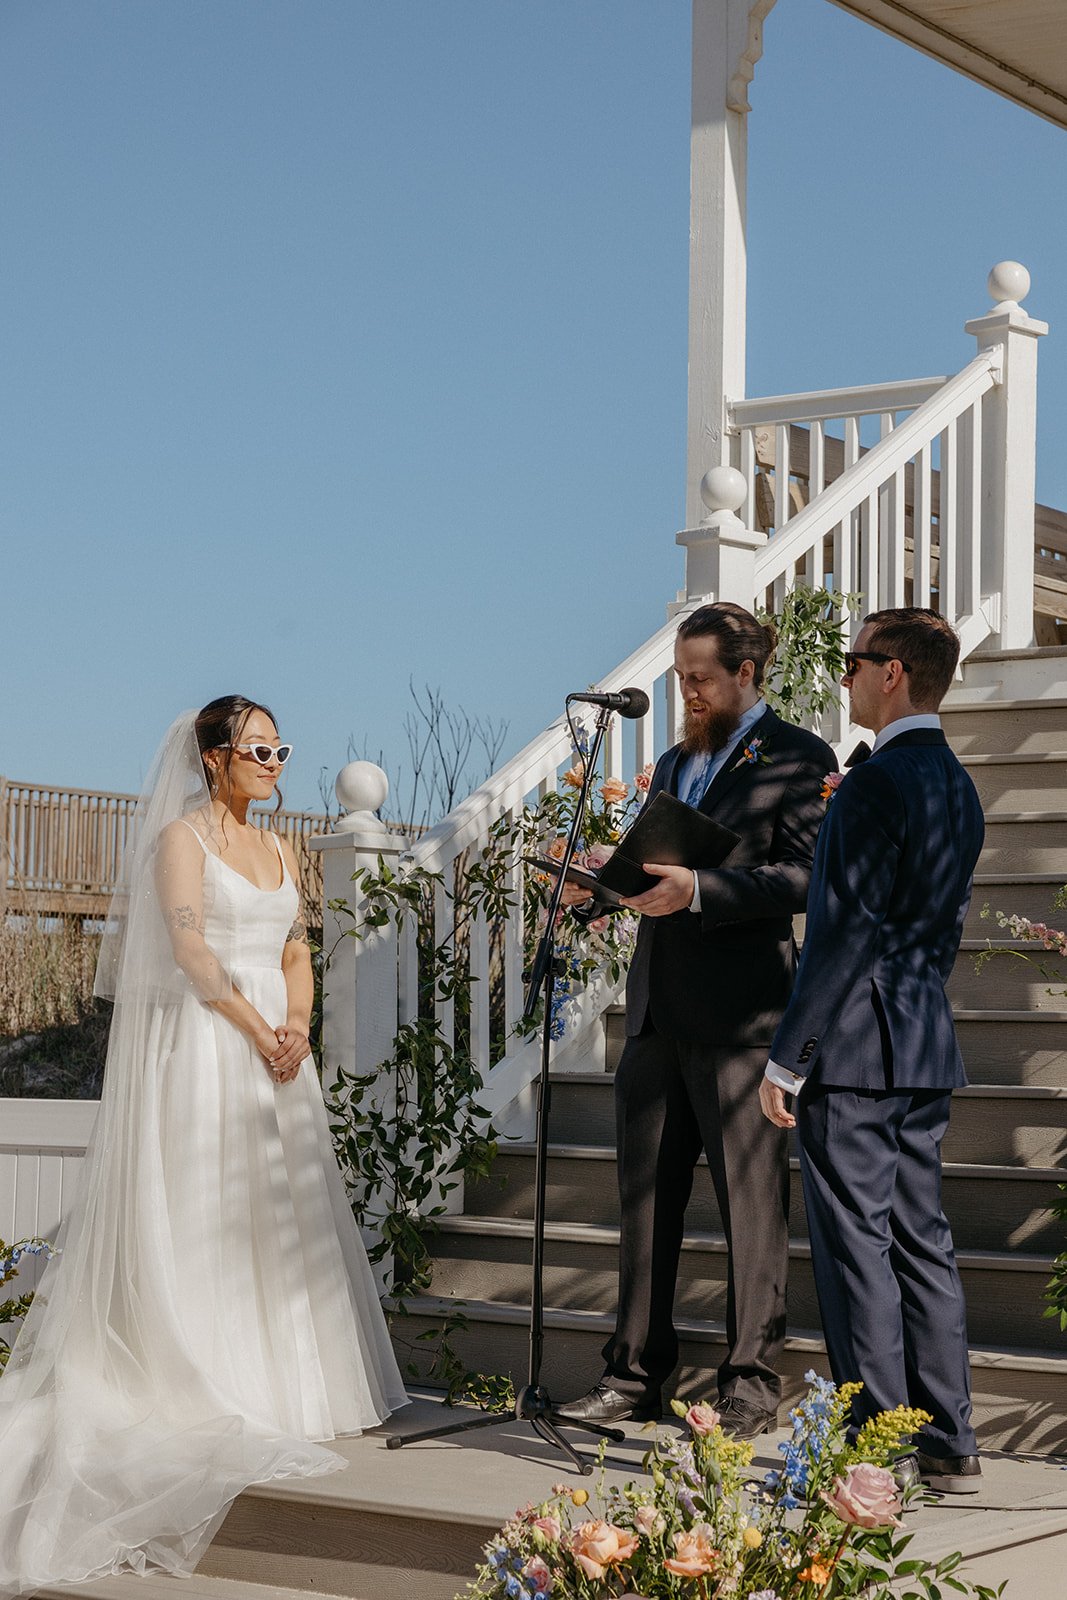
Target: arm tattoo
(298,932)
(184,917)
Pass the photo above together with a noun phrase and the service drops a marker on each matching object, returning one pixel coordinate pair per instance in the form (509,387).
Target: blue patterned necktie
(694,794)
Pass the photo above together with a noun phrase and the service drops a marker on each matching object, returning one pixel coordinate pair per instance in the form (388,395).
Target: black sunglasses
(854,657)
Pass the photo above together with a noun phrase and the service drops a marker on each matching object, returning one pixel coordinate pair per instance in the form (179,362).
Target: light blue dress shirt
(697,772)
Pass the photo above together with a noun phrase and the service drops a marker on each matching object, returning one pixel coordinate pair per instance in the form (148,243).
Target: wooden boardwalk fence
(62,848)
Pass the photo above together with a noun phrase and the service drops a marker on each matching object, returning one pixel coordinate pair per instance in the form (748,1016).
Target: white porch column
(360,990)
(727,43)
(1009,449)
(720,554)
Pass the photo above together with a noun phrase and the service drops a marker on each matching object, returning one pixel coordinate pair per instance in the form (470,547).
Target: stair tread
(1015,758)
(961,1169)
(990,1091)
(161,1586)
(608,1233)
(802,1339)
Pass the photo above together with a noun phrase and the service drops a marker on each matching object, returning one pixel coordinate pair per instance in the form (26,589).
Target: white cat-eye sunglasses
(266,753)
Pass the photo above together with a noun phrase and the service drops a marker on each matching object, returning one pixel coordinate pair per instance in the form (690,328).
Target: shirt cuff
(694,904)
(791,1082)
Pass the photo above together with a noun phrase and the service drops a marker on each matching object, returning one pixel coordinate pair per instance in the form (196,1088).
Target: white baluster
(782,464)
(922,534)
(948,573)
(971,514)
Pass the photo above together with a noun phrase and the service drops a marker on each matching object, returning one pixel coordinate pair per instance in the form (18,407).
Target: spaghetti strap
(196,835)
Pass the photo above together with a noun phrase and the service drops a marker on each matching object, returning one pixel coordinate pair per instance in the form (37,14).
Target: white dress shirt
(793,1082)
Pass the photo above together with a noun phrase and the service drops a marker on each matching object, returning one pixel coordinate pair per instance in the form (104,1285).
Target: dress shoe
(905,1470)
(605,1404)
(950,1474)
(744,1419)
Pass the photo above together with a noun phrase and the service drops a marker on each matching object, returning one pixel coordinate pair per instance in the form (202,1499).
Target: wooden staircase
(1004,1157)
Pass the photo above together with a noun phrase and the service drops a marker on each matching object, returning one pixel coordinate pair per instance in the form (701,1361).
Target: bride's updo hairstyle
(221,724)
(740,636)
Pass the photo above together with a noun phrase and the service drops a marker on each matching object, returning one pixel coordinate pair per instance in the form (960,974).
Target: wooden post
(360,989)
(727,43)
(1009,451)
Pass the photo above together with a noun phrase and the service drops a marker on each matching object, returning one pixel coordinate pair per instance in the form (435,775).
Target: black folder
(665,831)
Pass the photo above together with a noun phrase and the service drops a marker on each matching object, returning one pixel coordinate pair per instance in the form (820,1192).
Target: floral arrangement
(701,1525)
(752,753)
(13,1310)
(606,943)
(830,785)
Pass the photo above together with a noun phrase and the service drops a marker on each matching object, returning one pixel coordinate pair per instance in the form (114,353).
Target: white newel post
(720,554)
(361,1000)
(1009,449)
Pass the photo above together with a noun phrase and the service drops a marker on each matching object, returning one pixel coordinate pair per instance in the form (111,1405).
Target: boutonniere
(830,785)
(752,752)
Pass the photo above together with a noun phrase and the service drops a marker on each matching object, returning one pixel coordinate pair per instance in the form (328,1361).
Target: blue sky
(345,343)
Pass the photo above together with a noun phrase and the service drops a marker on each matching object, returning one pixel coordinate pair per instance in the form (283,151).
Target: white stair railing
(971,555)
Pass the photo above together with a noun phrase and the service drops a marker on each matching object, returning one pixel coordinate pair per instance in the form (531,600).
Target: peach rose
(614,790)
(596,1546)
(702,1418)
(556,849)
(549,1526)
(538,1574)
(574,777)
(598,856)
(866,1496)
(643,780)
(694,1553)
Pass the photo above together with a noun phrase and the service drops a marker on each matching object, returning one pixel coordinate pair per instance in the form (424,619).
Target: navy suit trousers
(889,1289)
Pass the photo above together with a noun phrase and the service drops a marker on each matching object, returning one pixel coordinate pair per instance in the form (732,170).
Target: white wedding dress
(212,1311)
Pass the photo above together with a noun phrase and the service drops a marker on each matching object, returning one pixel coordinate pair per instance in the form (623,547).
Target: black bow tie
(862,752)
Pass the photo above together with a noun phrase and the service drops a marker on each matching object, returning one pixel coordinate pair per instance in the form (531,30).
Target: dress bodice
(246,926)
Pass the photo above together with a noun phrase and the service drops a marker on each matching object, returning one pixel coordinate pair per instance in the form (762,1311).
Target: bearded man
(710,978)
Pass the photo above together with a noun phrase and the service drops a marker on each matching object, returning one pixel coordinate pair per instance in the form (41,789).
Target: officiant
(710,978)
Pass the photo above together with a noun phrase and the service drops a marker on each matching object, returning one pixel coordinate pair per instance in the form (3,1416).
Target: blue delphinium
(811,1429)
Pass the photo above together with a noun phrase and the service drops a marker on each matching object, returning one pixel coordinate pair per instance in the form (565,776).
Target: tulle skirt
(210,1316)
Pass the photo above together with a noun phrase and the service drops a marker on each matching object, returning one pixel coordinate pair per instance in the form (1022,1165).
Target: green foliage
(1053,939)
(810,658)
(14,1309)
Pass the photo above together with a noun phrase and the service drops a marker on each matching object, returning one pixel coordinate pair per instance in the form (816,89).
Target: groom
(709,980)
(868,1043)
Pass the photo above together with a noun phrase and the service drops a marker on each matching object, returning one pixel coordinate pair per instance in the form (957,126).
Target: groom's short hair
(928,644)
(740,636)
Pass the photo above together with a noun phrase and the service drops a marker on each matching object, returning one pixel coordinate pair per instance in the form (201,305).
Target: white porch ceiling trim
(1017,47)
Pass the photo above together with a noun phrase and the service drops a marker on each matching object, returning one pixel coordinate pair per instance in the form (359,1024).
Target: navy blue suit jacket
(889,892)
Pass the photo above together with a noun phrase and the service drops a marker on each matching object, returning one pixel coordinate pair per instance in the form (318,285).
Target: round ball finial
(1008,283)
(722,489)
(361,786)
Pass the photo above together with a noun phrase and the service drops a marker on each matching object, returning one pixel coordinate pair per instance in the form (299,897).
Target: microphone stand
(533,1403)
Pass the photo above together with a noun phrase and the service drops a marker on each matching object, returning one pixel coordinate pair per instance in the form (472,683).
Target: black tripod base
(534,1406)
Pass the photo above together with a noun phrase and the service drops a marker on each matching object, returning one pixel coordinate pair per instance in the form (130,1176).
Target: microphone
(627,702)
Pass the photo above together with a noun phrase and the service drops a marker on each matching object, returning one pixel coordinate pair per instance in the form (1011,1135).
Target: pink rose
(598,856)
(539,1575)
(599,1545)
(702,1418)
(643,780)
(549,1526)
(694,1553)
(648,1520)
(614,790)
(866,1496)
(598,924)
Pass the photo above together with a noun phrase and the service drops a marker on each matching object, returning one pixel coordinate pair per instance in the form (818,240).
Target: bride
(210,1314)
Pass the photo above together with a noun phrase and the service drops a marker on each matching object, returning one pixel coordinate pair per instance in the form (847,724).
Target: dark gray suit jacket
(724,976)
